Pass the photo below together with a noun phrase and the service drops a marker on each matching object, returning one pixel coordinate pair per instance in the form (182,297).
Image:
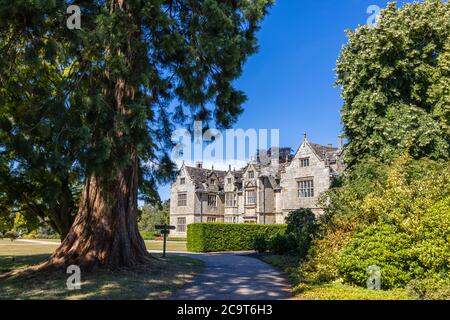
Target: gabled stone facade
(261,192)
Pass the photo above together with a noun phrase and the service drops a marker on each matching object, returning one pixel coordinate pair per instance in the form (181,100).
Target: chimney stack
(199,165)
(340,141)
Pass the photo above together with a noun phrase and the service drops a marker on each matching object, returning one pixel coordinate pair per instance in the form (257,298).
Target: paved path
(235,277)
(55,243)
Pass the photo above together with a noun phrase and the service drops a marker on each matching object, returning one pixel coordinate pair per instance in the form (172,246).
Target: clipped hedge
(216,237)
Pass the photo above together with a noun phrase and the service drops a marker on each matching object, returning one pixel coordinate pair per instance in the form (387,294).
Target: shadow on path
(230,276)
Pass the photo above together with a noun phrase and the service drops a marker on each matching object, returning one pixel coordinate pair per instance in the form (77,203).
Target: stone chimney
(199,165)
(275,157)
(340,141)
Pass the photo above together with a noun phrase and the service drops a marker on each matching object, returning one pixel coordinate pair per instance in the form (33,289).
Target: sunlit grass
(158,282)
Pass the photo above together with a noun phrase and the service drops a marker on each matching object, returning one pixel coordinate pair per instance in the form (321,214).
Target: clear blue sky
(289,83)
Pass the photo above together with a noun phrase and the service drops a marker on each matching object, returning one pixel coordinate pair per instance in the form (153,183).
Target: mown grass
(179,246)
(158,281)
(328,291)
(17,248)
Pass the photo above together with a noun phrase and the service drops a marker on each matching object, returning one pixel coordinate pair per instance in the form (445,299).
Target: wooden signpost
(165,230)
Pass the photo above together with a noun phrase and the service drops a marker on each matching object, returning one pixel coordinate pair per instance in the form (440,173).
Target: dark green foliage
(301,227)
(59,119)
(214,237)
(260,243)
(282,243)
(395,81)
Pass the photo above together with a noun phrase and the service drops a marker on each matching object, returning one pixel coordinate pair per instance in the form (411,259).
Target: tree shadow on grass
(156,281)
(9,263)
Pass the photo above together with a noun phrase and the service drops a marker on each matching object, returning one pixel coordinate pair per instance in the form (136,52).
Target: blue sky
(289,83)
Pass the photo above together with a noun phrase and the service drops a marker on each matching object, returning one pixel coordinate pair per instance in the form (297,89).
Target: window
(213,182)
(182,180)
(181,224)
(251,174)
(304,162)
(251,197)
(229,180)
(230,219)
(306,188)
(230,200)
(211,220)
(212,201)
(182,199)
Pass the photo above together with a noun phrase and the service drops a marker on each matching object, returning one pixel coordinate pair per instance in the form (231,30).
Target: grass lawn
(171,245)
(20,248)
(158,282)
(328,291)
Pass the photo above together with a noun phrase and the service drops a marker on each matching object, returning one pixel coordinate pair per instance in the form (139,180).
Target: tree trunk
(105,232)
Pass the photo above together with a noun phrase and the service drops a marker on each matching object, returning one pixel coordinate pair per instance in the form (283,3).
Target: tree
(151,215)
(118,78)
(39,175)
(395,80)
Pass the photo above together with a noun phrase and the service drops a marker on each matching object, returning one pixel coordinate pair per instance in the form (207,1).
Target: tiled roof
(201,176)
(323,152)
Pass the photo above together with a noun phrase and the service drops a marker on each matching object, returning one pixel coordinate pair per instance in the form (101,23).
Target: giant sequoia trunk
(105,232)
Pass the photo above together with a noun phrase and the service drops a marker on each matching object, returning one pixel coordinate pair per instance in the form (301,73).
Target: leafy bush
(434,288)
(321,263)
(301,227)
(384,246)
(410,196)
(433,235)
(260,243)
(214,237)
(279,244)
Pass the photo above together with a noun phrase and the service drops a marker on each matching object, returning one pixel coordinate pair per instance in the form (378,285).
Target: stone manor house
(263,192)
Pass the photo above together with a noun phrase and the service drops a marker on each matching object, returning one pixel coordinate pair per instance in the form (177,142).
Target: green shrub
(280,244)
(433,245)
(433,288)
(379,245)
(418,248)
(301,227)
(260,243)
(214,237)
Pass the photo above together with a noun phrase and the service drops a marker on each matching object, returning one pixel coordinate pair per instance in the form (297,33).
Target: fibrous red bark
(105,232)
